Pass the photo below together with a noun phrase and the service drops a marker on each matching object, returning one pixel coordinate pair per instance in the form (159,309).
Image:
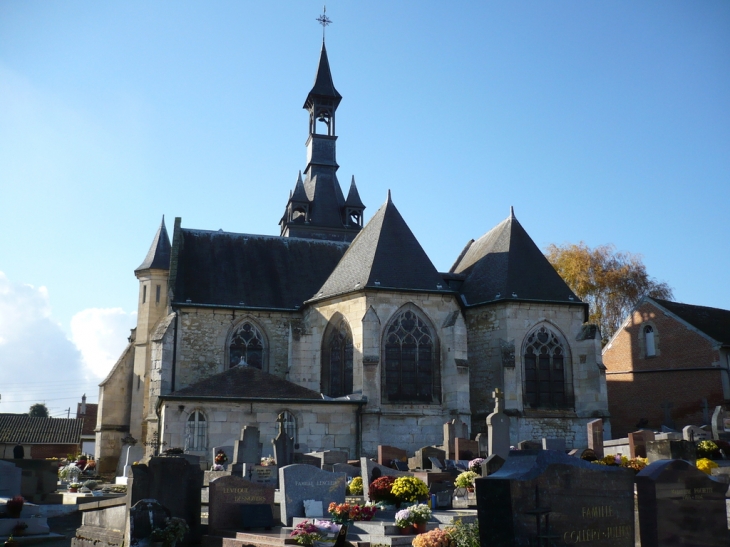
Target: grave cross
(498,396)
(155,443)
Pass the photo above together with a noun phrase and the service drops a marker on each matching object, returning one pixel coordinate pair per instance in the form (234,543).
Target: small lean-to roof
(714,322)
(505,262)
(158,257)
(384,255)
(21,428)
(250,271)
(244,382)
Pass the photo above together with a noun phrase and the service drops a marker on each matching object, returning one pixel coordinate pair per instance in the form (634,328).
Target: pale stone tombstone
(248,448)
(720,424)
(637,443)
(299,482)
(453,429)
(9,480)
(482,440)
(595,437)
(553,444)
(498,425)
(695,434)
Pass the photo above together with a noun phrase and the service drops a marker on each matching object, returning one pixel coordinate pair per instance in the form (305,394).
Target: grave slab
(298,482)
(671,450)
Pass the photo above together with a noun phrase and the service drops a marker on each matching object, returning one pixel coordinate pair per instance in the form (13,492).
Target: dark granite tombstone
(300,482)
(175,483)
(388,454)
(671,450)
(436,463)
(145,516)
(595,436)
(466,449)
(492,464)
(529,445)
(422,458)
(283,445)
(553,444)
(637,443)
(680,505)
(549,498)
(227,498)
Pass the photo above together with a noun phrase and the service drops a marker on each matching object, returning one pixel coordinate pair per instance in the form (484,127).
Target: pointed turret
(505,264)
(354,206)
(158,257)
(385,255)
(324,86)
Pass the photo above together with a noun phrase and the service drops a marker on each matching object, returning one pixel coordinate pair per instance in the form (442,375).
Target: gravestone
(453,429)
(671,450)
(584,502)
(482,440)
(637,443)
(421,460)
(720,424)
(386,454)
(492,464)
(349,470)
(498,426)
(668,436)
(595,437)
(246,450)
(173,481)
(529,445)
(228,450)
(227,497)
(299,482)
(372,470)
(9,480)
(466,449)
(261,474)
(436,464)
(681,505)
(283,445)
(328,458)
(145,516)
(553,444)
(695,434)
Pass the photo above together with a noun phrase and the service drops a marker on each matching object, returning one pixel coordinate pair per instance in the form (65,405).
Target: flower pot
(406,530)
(73,490)
(419,527)
(470,489)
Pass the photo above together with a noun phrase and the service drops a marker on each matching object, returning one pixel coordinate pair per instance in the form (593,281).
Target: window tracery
(547,381)
(337,367)
(247,346)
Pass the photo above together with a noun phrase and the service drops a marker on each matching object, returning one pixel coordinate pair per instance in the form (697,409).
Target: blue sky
(603,122)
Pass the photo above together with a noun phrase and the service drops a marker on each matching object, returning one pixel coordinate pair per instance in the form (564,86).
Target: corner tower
(317,208)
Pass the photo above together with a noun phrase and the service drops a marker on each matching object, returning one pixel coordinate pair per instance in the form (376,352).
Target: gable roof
(323,86)
(158,257)
(249,271)
(21,428)
(714,322)
(244,382)
(384,255)
(506,264)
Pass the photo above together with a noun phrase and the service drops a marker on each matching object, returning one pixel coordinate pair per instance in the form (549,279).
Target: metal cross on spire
(324,20)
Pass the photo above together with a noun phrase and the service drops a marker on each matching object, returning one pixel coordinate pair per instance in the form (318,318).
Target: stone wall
(635,396)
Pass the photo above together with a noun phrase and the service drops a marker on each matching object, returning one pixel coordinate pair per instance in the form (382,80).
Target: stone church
(347,329)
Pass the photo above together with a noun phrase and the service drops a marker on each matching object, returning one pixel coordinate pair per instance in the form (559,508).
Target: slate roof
(353,196)
(384,255)
(299,195)
(325,195)
(323,84)
(505,262)
(158,257)
(225,269)
(714,322)
(21,428)
(245,382)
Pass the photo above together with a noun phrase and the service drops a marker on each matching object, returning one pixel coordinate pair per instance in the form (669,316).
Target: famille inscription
(594,533)
(316,483)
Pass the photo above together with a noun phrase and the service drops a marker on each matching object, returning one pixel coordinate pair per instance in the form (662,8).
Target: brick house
(40,437)
(668,364)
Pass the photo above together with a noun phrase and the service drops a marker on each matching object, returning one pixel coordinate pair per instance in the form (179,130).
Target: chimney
(83,404)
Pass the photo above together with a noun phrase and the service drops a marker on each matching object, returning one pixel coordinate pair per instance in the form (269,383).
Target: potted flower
(14,506)
(409,489)
(174,531)
(420,515)
(306,534)
(435,538)
(73,487)
(404,521)
(221,458)
(268,460)
(355,487)
(466,480)
(476,465)
(380,490)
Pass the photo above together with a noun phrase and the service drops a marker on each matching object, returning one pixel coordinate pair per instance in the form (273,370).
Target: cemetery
(649,489)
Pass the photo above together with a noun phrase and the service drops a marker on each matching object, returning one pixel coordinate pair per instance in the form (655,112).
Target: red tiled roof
(21,428)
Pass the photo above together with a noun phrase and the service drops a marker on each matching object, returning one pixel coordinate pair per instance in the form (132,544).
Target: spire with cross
(324,20)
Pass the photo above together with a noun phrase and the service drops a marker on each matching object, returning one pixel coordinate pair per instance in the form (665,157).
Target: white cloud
(101,335)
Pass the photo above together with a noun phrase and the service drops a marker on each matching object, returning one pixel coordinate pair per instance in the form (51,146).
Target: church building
(346,329)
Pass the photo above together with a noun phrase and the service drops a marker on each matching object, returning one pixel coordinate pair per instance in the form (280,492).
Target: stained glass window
(545,375)
(247,347)
(337,360)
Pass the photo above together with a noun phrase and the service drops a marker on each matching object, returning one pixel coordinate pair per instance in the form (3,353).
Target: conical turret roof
(506,264)
(158,257)
(384,255)
(353,196)
(300,194)
(323,84)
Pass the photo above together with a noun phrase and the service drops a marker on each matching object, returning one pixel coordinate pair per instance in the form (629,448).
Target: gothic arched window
(649,341)
(337,359)
(548,381)
(195,431)
(247,346)
(411,367)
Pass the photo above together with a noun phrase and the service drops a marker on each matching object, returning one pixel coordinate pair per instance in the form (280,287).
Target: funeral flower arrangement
(268,460)
(403,518)
(420,513)
(221,458)
(435,538)
(174,531)
(380,489)
(706,465)
(707,449)
(306,533)
(344,512)
(355,487)
(409,489)
(465,479)
(476,465)
(636,464)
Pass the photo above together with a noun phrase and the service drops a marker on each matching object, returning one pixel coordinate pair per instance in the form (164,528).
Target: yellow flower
(705,465)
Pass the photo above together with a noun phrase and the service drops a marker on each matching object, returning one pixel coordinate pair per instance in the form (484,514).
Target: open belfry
(345,331)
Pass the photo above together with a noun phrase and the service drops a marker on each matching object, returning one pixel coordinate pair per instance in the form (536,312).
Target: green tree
(38,410)
(611,282)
